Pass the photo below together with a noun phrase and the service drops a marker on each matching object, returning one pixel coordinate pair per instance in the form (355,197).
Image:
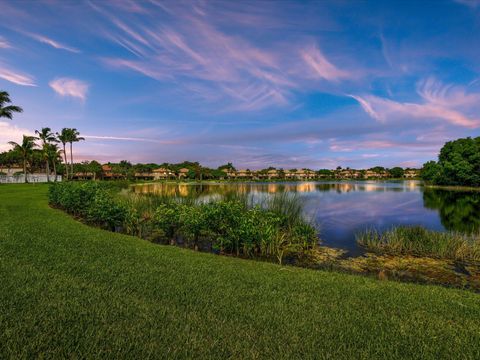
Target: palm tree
(7,111)
(26,150)
(63,137)
(47,137)
(73,137)
(54,154)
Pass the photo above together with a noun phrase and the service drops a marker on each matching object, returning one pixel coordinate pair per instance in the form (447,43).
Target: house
(11,171)
(304,174)
(83,176)
(162,174)
(272,174)
(183,173)
(107,173)
(244,174)
(289,174)
(370,174)
(144,175)
(231,174)
(412,173)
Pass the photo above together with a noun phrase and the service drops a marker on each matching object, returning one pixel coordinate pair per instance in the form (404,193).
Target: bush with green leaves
(233,225)
(92,201)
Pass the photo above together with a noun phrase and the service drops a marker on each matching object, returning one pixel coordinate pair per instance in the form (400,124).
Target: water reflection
(170,189)
(341,209)
(458,210)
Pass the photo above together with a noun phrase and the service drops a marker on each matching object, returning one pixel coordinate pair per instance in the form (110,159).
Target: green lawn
(69,290)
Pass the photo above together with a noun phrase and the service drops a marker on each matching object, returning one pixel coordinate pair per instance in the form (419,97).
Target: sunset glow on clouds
(287,84)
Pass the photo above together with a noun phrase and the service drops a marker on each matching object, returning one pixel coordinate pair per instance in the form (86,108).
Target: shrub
(232,225)
(92,201)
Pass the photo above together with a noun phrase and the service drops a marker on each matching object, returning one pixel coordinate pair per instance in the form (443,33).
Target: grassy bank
(69,290)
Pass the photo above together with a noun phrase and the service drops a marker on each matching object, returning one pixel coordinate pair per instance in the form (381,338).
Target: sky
(314,84)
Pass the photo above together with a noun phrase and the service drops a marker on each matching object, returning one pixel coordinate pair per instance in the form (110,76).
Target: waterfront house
(107,173)
(162,174)
(272,174)
(412,173)
(83,176)
(244,174)
(183,173)
(144,175)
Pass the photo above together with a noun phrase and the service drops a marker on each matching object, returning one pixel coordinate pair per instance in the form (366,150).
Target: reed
(419,241)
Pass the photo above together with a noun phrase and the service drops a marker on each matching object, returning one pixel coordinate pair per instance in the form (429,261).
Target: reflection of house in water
(305,187)
(272,188)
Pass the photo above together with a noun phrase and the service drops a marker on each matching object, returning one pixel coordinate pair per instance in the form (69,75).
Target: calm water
(341,209)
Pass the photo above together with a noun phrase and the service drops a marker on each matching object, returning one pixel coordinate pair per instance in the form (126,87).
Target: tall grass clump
(419,241)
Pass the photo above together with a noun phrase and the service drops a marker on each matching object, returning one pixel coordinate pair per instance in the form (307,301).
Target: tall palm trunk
(71,160)
(65,158)
(25,167)
(54,170)
(48,169)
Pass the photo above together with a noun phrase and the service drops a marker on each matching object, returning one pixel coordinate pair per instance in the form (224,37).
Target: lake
(343,208)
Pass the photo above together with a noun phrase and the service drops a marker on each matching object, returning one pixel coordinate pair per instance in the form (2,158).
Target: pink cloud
(53,43)
(15,76)
(449,103)
(70,87)
(321,67)
(4,44)
(244,76)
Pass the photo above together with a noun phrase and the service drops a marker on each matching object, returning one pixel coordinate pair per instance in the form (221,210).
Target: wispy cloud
(321,67)
(187,48)
(126,138)
(443,102)
(70,87)
(53,43)
(4,44)
(15,76)
(474,4)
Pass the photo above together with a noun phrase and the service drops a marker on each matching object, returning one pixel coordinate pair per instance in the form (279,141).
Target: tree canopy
(458,164)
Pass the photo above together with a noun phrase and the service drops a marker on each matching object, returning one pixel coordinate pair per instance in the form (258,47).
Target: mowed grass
(69,290)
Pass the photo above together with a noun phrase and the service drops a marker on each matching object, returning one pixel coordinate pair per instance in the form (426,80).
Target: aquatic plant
(419,241)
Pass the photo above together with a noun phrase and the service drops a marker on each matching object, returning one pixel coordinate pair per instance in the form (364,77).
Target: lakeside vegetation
(418,241)
(272,229)
(72,290)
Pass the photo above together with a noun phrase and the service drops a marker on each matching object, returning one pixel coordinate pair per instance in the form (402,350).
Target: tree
(54,155)
(397,172)
(63,137)
(25,149)
(95,168)
(73,136)
(458,164)
(6,111)
(228,166)
(430,171)
(47,137)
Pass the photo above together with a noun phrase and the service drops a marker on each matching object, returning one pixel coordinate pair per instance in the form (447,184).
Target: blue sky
(315,84)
